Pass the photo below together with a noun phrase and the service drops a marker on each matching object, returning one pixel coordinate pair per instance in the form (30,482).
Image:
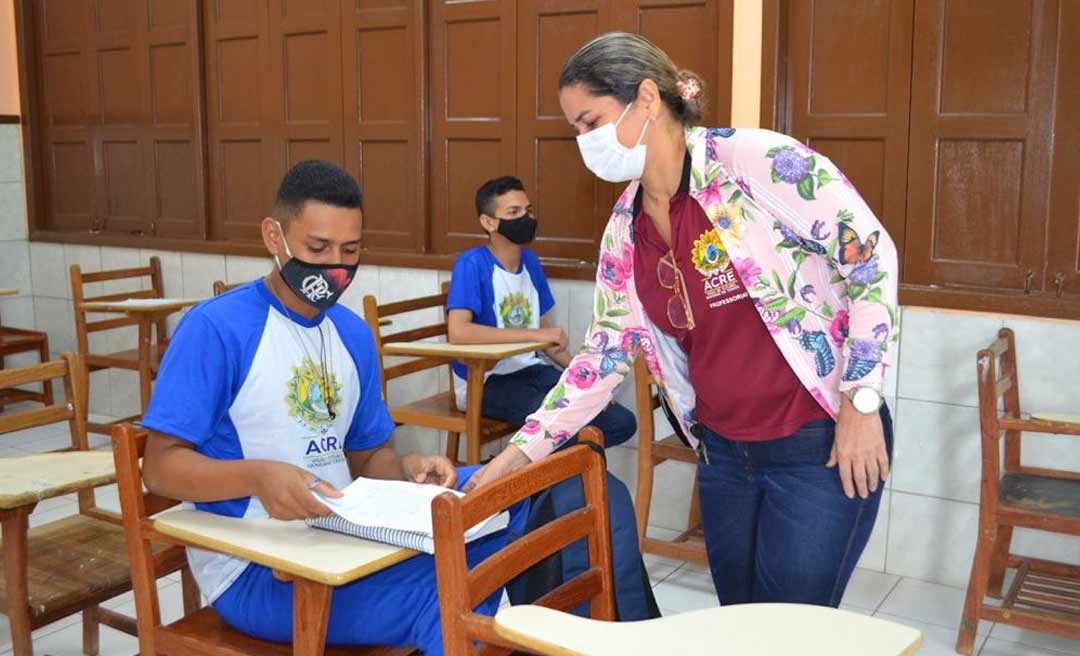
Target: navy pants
(778,526)
(513,397)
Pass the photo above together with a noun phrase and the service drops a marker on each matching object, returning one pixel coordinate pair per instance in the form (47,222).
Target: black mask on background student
(521,231)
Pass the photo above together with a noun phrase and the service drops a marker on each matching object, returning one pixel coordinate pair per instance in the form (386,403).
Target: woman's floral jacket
(816,261)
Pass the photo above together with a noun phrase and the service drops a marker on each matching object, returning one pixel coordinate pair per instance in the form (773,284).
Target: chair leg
(47,388)
(311,616)
(643,495)
(694,521)
(190,590)
(980,573)
(91,631)
(453,443)
(15,527)
(998,561)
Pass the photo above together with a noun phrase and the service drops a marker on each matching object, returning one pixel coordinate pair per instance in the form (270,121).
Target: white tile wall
(931,538)
(937,354)
(15,265)
(937,450)
(10,154)
(13,211)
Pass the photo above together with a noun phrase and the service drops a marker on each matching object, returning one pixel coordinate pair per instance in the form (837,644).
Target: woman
(761,290)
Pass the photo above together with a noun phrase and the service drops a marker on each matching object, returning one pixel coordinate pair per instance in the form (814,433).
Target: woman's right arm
(588,385)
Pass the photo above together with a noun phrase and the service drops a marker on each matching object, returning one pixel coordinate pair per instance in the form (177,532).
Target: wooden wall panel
(64,96)
(571,204)
(275,87)
(118,79)
(173,146)
(384,128)
(1063,270)
(981,110)
(697,36)
(473,112)
(849,64)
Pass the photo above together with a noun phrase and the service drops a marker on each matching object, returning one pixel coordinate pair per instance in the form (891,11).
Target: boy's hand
(286,491)
(433,470)
(555,335)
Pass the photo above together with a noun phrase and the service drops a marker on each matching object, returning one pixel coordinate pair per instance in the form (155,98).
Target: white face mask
(609,159)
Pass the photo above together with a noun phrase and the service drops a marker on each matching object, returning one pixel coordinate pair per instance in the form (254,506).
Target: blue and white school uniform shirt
(499,298)
(242,379)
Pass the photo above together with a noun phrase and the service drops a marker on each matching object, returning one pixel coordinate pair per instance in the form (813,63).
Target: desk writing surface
(1058,417)
(28,479)
(5,291)
(291,547)
(141,305)
(461,351)
(746,629)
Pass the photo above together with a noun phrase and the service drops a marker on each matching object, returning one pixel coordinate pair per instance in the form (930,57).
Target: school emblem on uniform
(515,311)
(709,255)
(307,393)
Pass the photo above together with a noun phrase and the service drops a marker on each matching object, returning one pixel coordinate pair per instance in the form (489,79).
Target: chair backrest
(998,380)
(79,280)
(461,589)
(73,410)
(220,286)
(375,314)
(136,507)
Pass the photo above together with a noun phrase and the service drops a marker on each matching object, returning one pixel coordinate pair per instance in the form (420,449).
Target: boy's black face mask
(520,231)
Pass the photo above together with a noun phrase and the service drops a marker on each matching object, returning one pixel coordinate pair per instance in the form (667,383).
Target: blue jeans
(513,397)
(778,527)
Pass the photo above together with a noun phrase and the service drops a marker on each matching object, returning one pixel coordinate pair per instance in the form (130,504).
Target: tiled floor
(679,587)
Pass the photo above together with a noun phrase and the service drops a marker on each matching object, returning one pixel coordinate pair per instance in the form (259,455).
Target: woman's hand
(859,450)
(510,459)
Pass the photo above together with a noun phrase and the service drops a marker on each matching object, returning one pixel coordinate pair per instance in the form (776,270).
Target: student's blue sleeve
(540,281)
(371,425)
(465,289)
(194,385)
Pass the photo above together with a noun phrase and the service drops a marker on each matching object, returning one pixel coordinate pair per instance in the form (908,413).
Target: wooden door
(981,111)
(850,68)
(122,129)
(473,112)
(65,68)
(571,204)
(274,87)
(1063,270)
(696,34)
(383,68)
(174,137)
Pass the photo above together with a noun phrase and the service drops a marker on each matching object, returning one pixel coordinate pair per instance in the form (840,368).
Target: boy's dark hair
(491,190)
(317,180)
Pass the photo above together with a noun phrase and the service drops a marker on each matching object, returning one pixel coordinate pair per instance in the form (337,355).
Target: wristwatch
(866,400)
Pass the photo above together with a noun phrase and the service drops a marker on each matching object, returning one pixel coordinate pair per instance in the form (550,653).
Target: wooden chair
(1044,595)
(201,632)
(460,590)
(71,564)
(439,411)
(127,359)
(220,286)
(20,340)
(690,546)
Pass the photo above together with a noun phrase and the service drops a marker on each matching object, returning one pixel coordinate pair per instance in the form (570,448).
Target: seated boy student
(499,294)
(271,391)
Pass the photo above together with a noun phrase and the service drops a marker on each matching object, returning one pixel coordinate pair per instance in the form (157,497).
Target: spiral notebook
(394,512)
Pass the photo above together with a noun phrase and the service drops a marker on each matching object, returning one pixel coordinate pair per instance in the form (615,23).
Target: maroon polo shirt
(745,389)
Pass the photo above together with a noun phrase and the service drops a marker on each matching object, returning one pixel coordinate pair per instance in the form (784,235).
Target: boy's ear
(489,224)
